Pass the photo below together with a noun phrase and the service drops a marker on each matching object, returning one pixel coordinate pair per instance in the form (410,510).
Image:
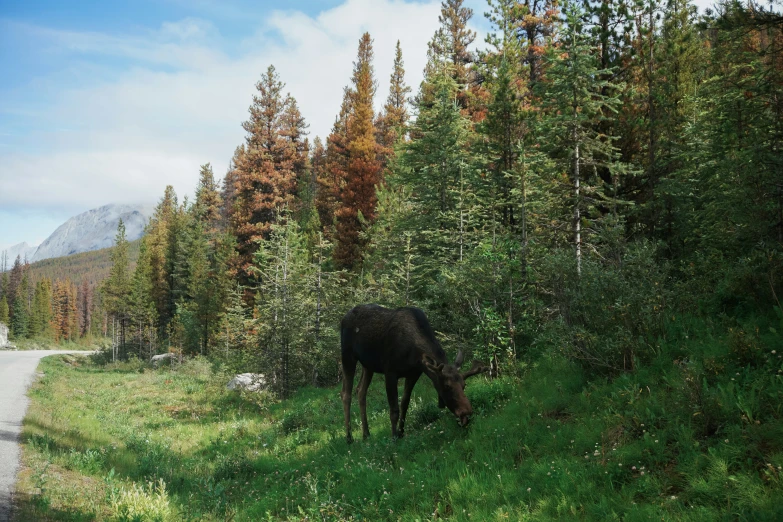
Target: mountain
(22,250)
(94,230)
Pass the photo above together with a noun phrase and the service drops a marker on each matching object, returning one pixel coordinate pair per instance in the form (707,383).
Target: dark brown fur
(399,344)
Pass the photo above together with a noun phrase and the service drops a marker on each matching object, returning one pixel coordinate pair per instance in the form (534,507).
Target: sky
(108,102)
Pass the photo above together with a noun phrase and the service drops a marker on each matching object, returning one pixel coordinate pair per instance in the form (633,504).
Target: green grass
(695,435)
(86,344)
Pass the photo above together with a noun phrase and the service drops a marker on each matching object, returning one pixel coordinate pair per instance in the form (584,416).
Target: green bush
(135,503)
(611,315)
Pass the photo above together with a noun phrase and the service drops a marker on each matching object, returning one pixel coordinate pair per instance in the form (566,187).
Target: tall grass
(695,434)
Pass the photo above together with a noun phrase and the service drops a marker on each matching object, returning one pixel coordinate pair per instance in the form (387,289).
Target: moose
(398,343)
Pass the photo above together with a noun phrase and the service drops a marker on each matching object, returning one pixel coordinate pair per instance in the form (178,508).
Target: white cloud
(181,102)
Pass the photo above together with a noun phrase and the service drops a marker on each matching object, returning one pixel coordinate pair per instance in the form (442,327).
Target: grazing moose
(398,343)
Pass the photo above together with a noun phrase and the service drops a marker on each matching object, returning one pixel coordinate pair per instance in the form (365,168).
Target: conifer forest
(581,187)
(597,168)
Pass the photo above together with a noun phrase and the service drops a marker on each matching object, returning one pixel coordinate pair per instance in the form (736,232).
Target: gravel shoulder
(17,371)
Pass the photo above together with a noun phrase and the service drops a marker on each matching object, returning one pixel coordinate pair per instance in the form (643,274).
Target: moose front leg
(410,382)
(364,384)
(394,406)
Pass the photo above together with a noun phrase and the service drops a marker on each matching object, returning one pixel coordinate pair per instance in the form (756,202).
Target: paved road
(17,370)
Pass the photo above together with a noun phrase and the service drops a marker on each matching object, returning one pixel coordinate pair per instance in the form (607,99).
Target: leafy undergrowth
(696,435)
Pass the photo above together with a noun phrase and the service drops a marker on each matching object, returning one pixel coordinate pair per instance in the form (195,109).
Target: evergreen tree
(84,297)
(392,121)
(116,290)
(4,317)
(439,170)
(332,177)
(450,48)
(358,200)
(41,317)
(20,319)
(574,105)
(267,172)
(162,243)
(208,203)
(14,281)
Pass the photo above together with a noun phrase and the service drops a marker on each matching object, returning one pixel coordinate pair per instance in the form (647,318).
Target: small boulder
(160,358)
(247,381)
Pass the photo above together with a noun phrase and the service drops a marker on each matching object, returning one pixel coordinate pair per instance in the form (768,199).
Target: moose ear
(431,364)
(475,370)
(459,360)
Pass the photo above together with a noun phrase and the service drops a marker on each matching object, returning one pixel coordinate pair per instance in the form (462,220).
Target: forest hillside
(590,204)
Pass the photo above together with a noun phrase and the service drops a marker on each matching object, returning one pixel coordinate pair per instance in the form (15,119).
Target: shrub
(610,315)
(147,503)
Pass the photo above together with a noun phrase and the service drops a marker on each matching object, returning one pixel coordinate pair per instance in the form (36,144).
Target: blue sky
(109,101)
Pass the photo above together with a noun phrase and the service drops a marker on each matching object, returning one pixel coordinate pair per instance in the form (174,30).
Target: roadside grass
(86,344)
(695,435)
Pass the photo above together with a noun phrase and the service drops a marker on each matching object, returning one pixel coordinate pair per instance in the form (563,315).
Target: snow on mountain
(93,230)
(22,250)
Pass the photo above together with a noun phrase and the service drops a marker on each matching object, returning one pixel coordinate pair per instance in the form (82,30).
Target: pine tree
(332,177)
(574,105)
(14,281)
(161,239)
(391,123)
(208,203)
(41,316)
(266,174)
(141,306)
(438,169)
(116,290)
(358,200)
(84,297)
(4,317)
(20,319)
(450,49)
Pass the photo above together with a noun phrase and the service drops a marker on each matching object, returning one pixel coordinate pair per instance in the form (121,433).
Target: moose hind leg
(410,382)
(364,384)
(394,406)
(349,369)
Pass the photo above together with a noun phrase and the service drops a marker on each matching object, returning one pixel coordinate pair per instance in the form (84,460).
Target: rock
(3,335)
(247,381)
(93,230)
(160,358)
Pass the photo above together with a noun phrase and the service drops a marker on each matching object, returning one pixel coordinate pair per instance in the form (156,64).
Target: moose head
(450,384)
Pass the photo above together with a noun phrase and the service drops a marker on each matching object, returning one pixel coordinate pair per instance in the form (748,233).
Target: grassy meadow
(695,435)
